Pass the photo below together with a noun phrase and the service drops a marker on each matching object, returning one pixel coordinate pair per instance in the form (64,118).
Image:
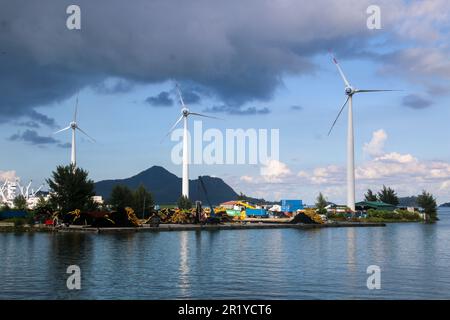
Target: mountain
(445,205)
(166,187)
(408,201)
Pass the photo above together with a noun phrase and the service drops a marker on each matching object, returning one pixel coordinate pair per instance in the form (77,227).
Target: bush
(338,216)
(378,215)
(410,216)
(383,214)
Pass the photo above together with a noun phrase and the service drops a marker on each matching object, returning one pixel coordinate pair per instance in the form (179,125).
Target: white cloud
(406,173)
(247,179)
(274,171)
(376,146)
(7,175)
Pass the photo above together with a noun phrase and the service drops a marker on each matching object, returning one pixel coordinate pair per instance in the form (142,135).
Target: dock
(226,226)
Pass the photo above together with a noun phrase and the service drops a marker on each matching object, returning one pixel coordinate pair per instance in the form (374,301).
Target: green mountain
(408,201)
(166,187)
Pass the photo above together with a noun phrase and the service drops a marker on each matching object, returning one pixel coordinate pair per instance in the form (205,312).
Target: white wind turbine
(74,126)
(350,91)
(184,116)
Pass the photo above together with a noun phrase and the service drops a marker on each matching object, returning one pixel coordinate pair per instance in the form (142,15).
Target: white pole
(185,182)
(350,158)
(73,157)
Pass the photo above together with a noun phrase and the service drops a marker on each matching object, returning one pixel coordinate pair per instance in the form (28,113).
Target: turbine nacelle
(185,112)
(349,91)
(73,125)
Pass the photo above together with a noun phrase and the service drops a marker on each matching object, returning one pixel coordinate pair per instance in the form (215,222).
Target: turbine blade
(340,71)
(339,114)
(90,138)
(202,115)
(173,127)
(180,95)
(76,110)
(377,90)
(67,128)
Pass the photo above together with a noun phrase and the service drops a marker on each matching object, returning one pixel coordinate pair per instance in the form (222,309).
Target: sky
(255,65)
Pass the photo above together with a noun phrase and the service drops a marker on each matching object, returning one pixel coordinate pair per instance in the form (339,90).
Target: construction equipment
(212,219)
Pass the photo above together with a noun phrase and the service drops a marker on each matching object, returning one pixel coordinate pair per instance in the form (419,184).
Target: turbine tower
(350,91)
(185,113)
(74,126)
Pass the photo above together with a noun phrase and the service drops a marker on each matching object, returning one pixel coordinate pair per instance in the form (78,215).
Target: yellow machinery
(245,205)
(310,213)
(131,216)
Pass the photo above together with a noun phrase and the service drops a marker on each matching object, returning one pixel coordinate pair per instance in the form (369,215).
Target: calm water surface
(231,264)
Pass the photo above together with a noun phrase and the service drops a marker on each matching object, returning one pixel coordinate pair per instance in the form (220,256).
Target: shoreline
(192,227)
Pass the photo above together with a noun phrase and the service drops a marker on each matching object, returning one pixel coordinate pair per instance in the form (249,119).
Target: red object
(49,222)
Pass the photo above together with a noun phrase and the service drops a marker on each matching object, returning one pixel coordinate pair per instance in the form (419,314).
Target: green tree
(184,203)
(143,201)
(242,197)
(370,196)
(43,206)
(70,188)
(321,203)
(428,203)
(20,203)
(121,197)
(388,195)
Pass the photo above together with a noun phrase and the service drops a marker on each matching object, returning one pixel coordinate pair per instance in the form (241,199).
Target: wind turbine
(185,113)
(350,91)
(74,126)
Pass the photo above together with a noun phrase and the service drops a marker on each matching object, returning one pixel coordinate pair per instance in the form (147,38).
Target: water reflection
(184,263)
(351,249)
(279,263)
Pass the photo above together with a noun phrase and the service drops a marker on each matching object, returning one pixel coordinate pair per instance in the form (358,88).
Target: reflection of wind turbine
(74,126)
(184,116)
(350,91)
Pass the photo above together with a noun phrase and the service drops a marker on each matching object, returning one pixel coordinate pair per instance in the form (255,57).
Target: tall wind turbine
(74,126)
(350,91)
(185,113)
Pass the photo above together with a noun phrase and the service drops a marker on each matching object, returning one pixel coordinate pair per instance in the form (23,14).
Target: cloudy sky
(255,64)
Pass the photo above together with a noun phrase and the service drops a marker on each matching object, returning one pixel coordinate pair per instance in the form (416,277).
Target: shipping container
(12,214)
(256,213)
(233,213)
(291,205)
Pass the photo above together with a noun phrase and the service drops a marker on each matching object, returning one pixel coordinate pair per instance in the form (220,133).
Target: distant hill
(166,187)
(408,201)
(445,205)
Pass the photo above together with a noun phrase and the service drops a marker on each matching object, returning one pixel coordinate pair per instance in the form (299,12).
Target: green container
(233,213)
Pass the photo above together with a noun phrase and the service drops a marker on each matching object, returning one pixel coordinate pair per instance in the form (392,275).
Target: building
(375,205)
(98,199)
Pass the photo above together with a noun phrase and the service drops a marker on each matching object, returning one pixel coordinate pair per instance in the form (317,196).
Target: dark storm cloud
(237,111)
(66,145)
(190,97)
(163,99)
(414,101)
(32,137)
(238,51)
(296,108)
(42,119)
(29,124)
(113,86)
